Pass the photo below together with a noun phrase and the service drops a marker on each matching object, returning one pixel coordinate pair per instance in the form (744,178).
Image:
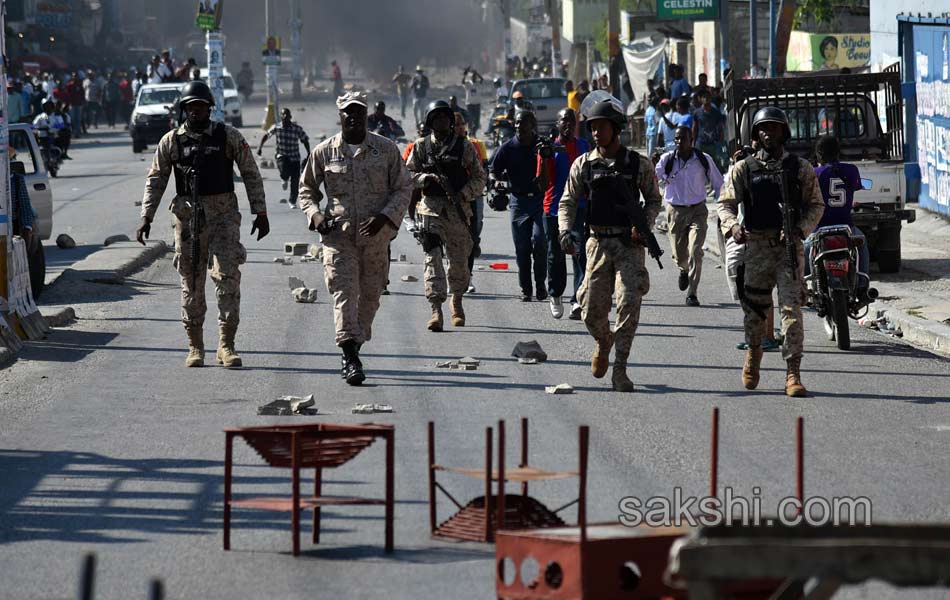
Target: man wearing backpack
(686,172)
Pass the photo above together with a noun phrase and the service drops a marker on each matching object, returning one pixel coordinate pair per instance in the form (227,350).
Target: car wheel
(137,146)
(36,257)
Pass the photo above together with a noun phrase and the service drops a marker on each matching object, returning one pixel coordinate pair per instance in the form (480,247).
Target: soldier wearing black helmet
(756,182)
(615,252)
(211,150)
(447,169)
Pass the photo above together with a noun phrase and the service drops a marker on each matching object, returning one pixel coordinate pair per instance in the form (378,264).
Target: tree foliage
(820,12)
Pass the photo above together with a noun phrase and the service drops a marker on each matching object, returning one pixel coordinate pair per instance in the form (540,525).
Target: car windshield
(549,88)
(229,83)
(166,96)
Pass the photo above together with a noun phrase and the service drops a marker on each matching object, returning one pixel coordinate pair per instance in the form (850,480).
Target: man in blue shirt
(679,87)
(650,120)
(516,162)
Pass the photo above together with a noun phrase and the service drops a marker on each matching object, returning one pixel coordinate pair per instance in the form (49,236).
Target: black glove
(373,225)
(261,226)
(142,233)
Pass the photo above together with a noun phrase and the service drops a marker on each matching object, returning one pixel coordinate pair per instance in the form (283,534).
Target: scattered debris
(468,360)
(282,260)
(872,324)
(65,242)
(409,278)
(463,364)
(528,361)
(561,388)
(286,406)
(499,266)
(479,268)
(137,203)
(368,409)
(121,237)
(529,350)
(296,248)
(305,295)
(282,201)
(402,258)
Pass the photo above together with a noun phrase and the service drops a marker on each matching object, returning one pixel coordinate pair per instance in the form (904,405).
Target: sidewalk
(915,301)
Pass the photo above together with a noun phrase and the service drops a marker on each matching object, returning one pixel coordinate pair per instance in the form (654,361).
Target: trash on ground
(463,364)
(561,388)
(282,201)
(530,349)
(284,260)
(289,405)
(304,295)
(499,266)
(468,360)
(65,242)
(409,278)
(368,409)
(528,361)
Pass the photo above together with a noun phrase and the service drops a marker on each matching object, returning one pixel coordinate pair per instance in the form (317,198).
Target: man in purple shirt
(838,182)
(686,173)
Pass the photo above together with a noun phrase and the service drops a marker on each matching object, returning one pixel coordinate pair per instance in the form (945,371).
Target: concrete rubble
(286,406)
(561,388)
(284,260)
(296,248)
(65,242)
(529,351)
(463,364)
(112,239)
(304,295)
(368,409)
(409,278)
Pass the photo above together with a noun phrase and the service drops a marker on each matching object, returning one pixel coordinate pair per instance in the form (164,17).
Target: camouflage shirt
(166,155)
(434,206)
(576,189)
(734,190)
(362,184)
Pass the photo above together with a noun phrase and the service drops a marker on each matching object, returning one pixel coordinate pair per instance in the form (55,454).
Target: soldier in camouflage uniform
(615,252)
(447,169)
(756,181)
(216,148)
(368,188)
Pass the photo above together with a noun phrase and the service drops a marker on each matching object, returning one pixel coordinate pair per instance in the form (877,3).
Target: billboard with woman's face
(828,51)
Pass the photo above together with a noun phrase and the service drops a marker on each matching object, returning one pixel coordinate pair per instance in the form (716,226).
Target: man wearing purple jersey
(838,182)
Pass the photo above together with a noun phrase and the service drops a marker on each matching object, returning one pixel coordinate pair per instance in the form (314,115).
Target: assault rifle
(196,224)
(789,217)
(638,216)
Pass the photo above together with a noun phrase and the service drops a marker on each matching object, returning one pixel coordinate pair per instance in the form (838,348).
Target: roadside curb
(932,336)
(113,263)
(61,317)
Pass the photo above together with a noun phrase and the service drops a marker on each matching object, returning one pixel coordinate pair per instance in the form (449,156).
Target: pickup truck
(849,107)
(28,160)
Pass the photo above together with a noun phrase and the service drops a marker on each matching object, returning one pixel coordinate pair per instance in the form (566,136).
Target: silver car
(27,150)
(546,94)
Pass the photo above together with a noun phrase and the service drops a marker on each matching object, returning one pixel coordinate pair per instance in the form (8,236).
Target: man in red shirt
(125,99)
(554,172)
(76,98)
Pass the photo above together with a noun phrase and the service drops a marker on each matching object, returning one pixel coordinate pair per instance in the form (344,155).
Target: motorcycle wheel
(839,311)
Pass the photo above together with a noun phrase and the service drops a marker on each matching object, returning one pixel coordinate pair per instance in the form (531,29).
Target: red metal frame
(317,446)
(482,517)
(609,561)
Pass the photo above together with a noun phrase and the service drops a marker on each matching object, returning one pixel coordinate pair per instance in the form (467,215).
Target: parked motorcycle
(835,288)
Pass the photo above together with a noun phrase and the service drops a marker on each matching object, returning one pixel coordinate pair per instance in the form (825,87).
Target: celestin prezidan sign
(687,9)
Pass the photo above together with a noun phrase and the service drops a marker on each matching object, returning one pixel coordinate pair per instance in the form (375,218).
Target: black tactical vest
(450,165)
(215,169)
(763,197)
(602,204)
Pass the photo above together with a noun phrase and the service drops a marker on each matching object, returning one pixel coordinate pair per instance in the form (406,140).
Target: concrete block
(65,242)
(121,237)
(296,248)
(305,295)
(561,388)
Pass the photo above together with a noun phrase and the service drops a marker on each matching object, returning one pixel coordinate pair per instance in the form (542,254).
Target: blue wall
(930,75)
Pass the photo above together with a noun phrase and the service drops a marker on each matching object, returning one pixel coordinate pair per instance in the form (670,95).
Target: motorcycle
(835,288)
(51,153)
(502,130)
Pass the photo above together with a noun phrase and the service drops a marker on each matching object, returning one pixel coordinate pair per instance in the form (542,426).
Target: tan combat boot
(793,379)
(458,313)
(435,321)
(619,379)
(196,347)
(227,355)
(750,371)
(601,358)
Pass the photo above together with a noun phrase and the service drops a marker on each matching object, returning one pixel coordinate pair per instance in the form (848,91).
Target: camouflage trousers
(456,236)
(765,267)
(614,271)
(356,269)
(219,243)
(687,233)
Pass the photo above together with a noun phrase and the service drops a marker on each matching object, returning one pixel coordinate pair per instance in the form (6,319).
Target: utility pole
(6,230)
(296,46)
(506,23)
(724,48)
(215,47)
(772,25)
(555,15)
(613,45)
(753,37)
(272,64)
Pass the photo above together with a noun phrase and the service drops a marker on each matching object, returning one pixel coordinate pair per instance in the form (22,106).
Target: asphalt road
(108,444)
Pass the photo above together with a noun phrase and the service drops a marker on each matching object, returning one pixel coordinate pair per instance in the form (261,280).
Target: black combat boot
(352,370)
